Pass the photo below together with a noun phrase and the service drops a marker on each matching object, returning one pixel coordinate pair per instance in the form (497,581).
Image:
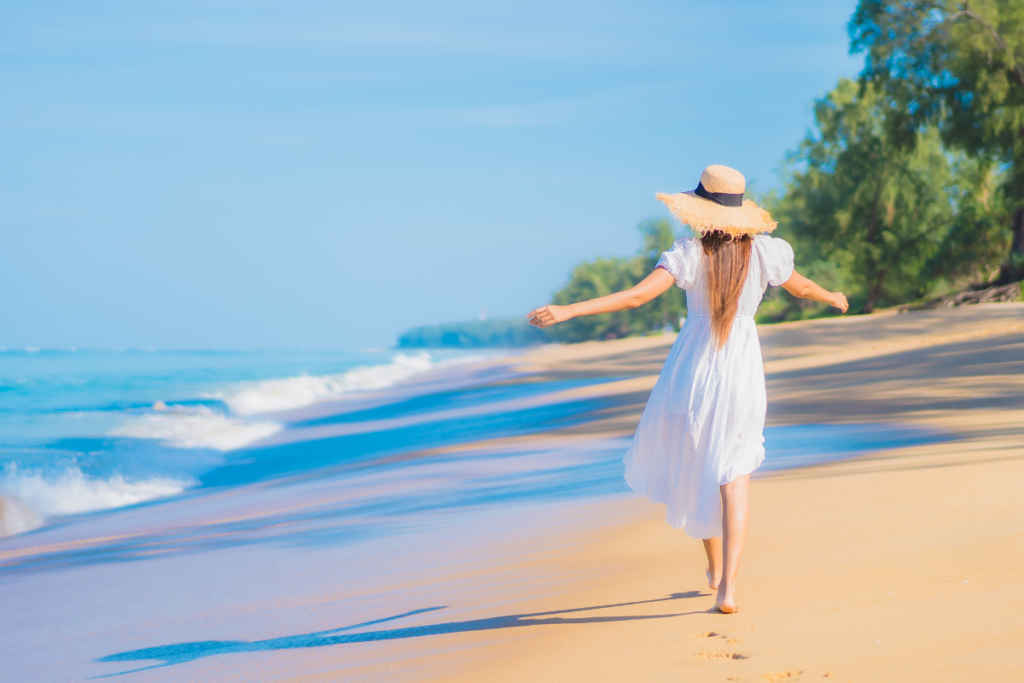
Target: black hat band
(723,198)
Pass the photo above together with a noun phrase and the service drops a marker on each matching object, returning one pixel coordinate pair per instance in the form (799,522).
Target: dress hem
(640,485)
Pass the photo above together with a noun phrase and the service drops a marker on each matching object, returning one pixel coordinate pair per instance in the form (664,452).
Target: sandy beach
(894,565)
(897,566)
(900,565)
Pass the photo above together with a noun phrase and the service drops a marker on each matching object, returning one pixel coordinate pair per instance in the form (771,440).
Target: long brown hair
(727,264)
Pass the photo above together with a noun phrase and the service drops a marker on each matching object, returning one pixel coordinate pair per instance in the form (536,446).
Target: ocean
(88,430)
(164,513)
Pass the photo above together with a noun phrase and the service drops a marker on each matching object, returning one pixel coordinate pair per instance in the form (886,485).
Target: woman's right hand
(548,315)
(839,301)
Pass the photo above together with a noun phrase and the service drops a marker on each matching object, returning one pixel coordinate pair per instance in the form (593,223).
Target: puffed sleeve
(681,261)
(776,259)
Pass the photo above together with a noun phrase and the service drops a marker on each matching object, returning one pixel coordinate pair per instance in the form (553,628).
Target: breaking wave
(195,427)
(185,440)
(27,499)
(273,395)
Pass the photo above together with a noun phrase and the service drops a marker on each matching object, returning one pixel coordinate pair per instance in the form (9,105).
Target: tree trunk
(875,293)
(1013,267)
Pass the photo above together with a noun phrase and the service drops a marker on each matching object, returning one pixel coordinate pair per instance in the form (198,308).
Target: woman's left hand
(548,315)
(840,302)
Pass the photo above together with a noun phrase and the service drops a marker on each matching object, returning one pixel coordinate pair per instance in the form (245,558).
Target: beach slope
(902,565)
(473,525)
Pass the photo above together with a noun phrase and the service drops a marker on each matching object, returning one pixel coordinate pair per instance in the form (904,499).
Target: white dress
(703,424)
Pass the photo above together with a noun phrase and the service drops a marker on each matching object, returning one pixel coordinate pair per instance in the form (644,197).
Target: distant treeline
(603,276)
(587,280)
(500,333)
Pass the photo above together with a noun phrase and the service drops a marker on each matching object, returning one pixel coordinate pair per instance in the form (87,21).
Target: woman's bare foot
(726,601)
(713,548)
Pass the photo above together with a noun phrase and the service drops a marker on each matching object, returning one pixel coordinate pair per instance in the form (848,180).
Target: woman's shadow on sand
(181,653)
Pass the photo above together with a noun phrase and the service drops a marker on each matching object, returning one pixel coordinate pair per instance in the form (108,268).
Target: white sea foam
(199,427)
(195,427)
(28,499)
(294,392)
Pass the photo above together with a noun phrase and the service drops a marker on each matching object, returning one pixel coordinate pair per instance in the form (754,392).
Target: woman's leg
(713,547)
(734,527)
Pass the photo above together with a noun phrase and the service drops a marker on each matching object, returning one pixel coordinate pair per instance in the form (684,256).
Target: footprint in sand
(705,654)
(782,675)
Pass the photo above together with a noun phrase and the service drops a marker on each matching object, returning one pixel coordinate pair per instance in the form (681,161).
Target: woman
(700,436)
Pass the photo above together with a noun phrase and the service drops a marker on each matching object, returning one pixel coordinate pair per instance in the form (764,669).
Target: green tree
(958,66)
(604,276)
(880,219)
(973,248)
(658,237)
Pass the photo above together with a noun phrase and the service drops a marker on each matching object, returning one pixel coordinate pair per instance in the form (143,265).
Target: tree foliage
(882,220)
(604,276)
(957,66)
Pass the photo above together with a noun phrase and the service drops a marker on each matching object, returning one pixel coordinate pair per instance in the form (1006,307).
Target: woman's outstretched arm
(799,286)
(649,288)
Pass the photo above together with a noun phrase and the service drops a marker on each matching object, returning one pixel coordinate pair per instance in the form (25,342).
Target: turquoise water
(162,511)
(55,393)
(90,431)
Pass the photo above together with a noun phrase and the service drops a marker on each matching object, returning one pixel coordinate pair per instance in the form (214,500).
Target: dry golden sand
(905,565)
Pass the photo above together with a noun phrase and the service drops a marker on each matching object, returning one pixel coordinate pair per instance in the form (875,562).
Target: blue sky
(327,174)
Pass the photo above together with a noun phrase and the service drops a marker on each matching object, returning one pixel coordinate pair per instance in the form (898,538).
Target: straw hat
(718,204)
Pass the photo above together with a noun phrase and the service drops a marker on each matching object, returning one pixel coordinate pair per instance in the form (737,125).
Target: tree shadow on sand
(181,653)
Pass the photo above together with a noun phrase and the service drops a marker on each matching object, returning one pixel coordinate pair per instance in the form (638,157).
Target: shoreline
(582,583)
(892,566)
(848,529)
